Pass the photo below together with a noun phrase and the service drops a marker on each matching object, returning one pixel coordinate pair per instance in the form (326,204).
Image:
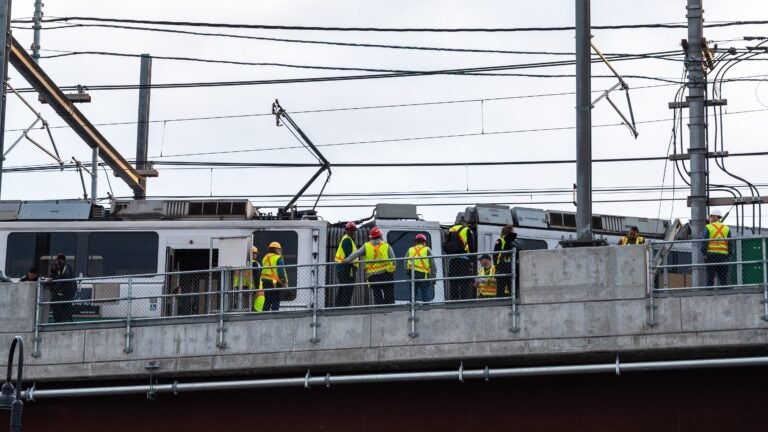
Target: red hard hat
(351,226)
(376,233)
(420,237)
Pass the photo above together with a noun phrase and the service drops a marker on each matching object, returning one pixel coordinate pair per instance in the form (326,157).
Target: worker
(273,277)
(246,280)
(421,265)
(379,266)
(486,283)
(31,276)
(346,273)
(460,241)
(62,291)
(632,237)
(506,243)
(718,250)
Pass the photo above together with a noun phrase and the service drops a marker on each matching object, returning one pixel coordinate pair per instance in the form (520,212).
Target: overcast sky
(496,129)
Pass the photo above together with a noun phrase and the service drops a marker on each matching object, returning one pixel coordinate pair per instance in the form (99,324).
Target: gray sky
(503,122)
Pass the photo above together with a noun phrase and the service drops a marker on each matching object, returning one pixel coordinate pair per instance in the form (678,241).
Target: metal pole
(142,132)
(38,317)
(5,42)
(765,281)
(315,289)
(513,293)
(412,319)
(696,128)
(37,26)
(221,344)
(128,332)
(583,122)
(94,175)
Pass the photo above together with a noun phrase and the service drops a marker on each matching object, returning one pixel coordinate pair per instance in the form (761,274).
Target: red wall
(714,400)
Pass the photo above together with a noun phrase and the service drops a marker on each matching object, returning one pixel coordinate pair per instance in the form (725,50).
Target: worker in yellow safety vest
(486,283)
(273,276)
(346,273)
(421,266)
(718,249)
(632,237)
(460,241)
(503,250)
(246,280)
(379,266)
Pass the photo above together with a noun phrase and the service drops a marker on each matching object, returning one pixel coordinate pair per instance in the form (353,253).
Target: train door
(188,281)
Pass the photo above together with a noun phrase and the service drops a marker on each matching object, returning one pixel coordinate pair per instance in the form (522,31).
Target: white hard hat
(716,212)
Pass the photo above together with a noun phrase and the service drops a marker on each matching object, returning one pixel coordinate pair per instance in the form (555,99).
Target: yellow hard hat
(254,249)
(275,245)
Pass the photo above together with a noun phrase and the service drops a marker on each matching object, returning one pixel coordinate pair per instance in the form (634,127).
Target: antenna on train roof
(283,119)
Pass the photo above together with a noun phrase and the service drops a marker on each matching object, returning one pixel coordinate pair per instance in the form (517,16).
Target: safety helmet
(254,249)
(351,226)
(376,233)
(716,212)
(420,237)
(275,245)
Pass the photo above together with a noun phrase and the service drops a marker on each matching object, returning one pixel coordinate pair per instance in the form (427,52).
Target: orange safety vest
(376,253)
(487,285)
(638,240)
(269,272)
(420,260)
(718,230)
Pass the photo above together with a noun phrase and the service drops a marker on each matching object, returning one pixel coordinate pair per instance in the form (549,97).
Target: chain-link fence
(257,289)
(725,263)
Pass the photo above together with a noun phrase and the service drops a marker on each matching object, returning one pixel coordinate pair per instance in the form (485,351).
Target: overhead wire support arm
(282,118)
(630,123)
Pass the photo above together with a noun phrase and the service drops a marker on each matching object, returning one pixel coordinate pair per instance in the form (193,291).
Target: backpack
(453,243)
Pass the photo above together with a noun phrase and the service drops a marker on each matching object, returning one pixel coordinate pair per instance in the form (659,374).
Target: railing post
(649,286)
(38,317)
(221,343)
(315,289)
(128,332)
(765,281)
(513,293)
(413,318)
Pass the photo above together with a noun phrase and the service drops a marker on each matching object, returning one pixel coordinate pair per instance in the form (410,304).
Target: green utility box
(751,250)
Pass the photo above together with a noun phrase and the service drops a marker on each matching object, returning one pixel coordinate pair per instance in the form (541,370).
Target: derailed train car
(152,238)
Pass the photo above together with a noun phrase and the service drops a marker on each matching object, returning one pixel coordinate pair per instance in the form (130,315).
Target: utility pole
(142,131)
(5,44)
(583,122)
(697,92)
(37,26)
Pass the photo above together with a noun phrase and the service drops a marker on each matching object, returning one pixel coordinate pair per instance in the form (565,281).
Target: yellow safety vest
(247,276)
(462,231)
(638,240)
(717,230)
(421,263)
(378,252)
(340,255)
(503,257)
(270,260)
(487,285)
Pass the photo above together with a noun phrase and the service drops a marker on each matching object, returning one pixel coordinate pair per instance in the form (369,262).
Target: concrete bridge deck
(575,305)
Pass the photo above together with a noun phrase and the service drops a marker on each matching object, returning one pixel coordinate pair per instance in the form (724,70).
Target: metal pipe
(38,313)
(128,332)
(142,132)
(583,122)
(412,319)
(696,127)
(221,344)
(315,289)
(5,52)
(460,374)
(513,293)
(21,137)
(94,175)
(37,25)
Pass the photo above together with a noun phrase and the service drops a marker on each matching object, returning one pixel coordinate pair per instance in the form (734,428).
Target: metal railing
(220,293)
(732,265)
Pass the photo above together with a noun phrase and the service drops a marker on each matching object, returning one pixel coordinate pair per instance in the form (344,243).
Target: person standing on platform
(486,284)
(62,291)
(502,250)
(632,237)
(422,266)
(346,272)
(718,249)
(460,241)
(273,277)
(379,266)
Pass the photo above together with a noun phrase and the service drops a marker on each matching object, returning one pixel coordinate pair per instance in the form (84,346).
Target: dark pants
(271,295)
(346,289)
(715,269)
(461,289)
(503,283)
(423,290)
(383,287)
(62,312)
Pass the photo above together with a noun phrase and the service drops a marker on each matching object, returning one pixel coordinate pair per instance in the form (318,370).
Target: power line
(382,29)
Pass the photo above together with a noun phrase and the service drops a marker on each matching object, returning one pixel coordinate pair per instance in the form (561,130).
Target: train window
(122,253)
(400,242)
(289,240)
(531,244)
(27,250)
